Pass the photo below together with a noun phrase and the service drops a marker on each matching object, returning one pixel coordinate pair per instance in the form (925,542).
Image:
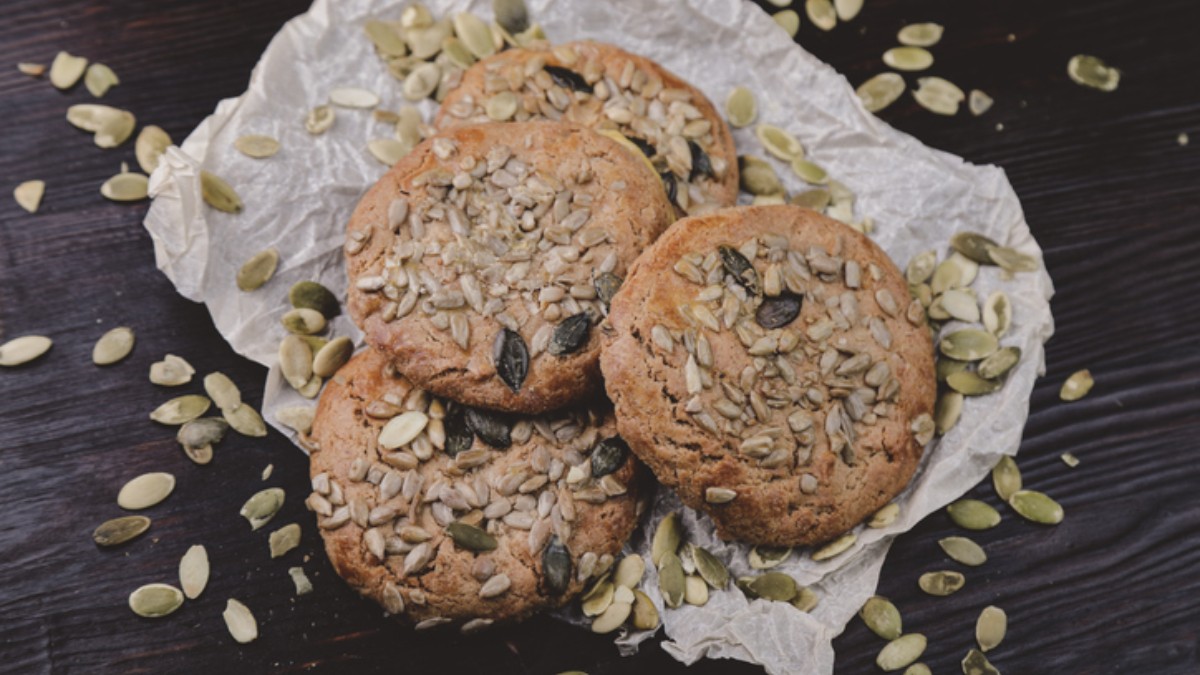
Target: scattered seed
(319,120)
(470,537)
(949,409)
(181,409)
(155,600)
(990,628)
(963,550)
(666,537)
(510,356)
(978,102)
(775,586)
(193,571)
(971,384)
(120,530)
(969,344)
(918,669)
(32,69)
(256,146)
(1036,507)
(938,95)
(806,599)
(766,557)
(300,579)
(847,9)
(758,177)
(99,78)
(901,652)
(313,295)
(332,356)
(884,516)
(113,346)
(1089,71)
(741,108)
(882,617)
(24,349)
(1076,386)
(262,507)
(384,36)
(975,663)
(998,364)
(788,20)
(240,622)
(1069,459)
(821,13)
(880,91)
(145,491)
(778,142)
(695,591)
(974,246)
(388,150)
(973,514)
(809,172)
(258,270)
(612,617)
(908,58)
(29,194)
(645,614)
(284,539)
(1006,478)
(246,421)
(835,547)
(222,391)
(353,97)
(475,34)
(710,568)
(66,70)
(219,194)
(997,313)
(941,583)
(126,187)
(172,371)
(672,581)
(596,600)
(1012,260)
(111,126)
(920,34)
(149,147)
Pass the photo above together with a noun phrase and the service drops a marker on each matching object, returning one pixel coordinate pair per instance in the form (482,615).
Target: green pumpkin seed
(319,120)
(816,200)
(920,34)
(766,557)
(968,383)
(172,371)
(246,421)
(145,491)
(666,538)
(946,275)
(978,102)
(219,194)
(1006,478)
(918,669)
(629,571)
(948,410)
(198,436)
(645,614)
(969,344)
(806,599)
(821,13)
(880,91)
(1012,260)
(66,70)
(938,95)
(847,9)
(1069,459)
(809,172)
(222,391)
(332,356)
(155,600)
(475,34)
(29,194)
(908,58)
(974,246)
(149,147)
(385,37)
(758,177)
(556,566)
(470,537)
(998,364)
(963,550)
(126,187)
(973,514)
(120,530)
(775,586)
(258,270)
(882,617)
(240,622)
(975,663)
(262,507)
(1036,507)
(313,295)
(788,20)
(284,539)
(671,579)
(884,516)
(1077,385)
(741,108)
(612,618)
(695,591)
(1089,71)
(901,652)
(778,142)
(941,583)
(256,146)
(990,628)
(511,15)
(113,346)
(180,410)
(193,571)
(920,267)
(710,568)
(835,547)
(997,313)
(295,361)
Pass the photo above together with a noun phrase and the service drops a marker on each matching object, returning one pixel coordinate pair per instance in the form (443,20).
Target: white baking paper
(299,201)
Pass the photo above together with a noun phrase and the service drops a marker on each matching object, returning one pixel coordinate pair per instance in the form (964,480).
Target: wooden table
(1109,192)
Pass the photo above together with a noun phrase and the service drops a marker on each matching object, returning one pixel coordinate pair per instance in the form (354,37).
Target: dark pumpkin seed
(470,537)
(607,284)
(491,427)
(312,295)
(120,530)
(608,456)
(975,246)
(511,357)
(701,164)
(570,334)
(511,15)
(778,311)
(556,566)
(671,185)
(459,436)
(736,264)
(568,79)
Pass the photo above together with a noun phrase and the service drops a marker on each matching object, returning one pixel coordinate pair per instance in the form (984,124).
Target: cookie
(767,364)
(483,259)
(606,88)
(446,514)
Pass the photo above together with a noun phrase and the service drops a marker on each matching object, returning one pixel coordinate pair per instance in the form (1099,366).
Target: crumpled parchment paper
(300,200)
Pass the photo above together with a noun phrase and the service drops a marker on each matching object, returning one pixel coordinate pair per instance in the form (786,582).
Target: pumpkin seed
(741,108)
(973,514)
(222,391)
(806,599)
(24,349)
(353,97)
(332,356)
(938,95)
(901,652)
(475,34)
(779,311)
(1036,507)
(880,91)
(847,9)
(66,70)
(284,539)
(695,591)
(960,304)
(193,571)
(710,568)
(1006,478)
(246,421)
(821,13)
(491,427)
(998,364)
(816,200)
(300,579)
(835,547)
(111,126)
(258,270)
(149,147)
(113,346)
(766,557)
(612,617)
(388,150)
(598,599)
(1069,459)
(969,344)
(319,120)
(256,146)
(629,571)
(963,550)
(1012,260)
(809,172)
(459,436)
(947,275)
(949,409)
(997,313)
(385,37)
(990,628)
(918,669)
(920,34)
(295,361)
(512,15)
(607,284)
(219,194)
(313,295)
(666,538)
(775,586)
(570,334)
(645,614)
(297,418)
(29,194)
(719,495)
(181,409)
(145,491)
(502,106)
(975,663)
(671,579)
(172,371)
(402,429)
(788,20)
(556,566)
(921,267)
(978,102)
(510,357)
(155,600)
(608,456)
(884,516)
(120,530)
(1089,71)
(908,58)
(240,622)
(262,507)
(758,177)
(974,246)
(126,187)
(882,617)
(971,384)
(778,142)
(198,436)
(941,583)
(422,81)
(470,537)
(1077,385)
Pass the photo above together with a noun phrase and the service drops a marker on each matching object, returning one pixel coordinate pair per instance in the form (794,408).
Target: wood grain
(1107,190)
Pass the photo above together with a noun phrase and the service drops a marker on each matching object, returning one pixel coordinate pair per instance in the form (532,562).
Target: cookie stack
(468,467)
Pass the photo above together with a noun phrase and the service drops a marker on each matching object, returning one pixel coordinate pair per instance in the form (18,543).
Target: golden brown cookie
(483,259)
(767,364)
(604,87)
(443,514)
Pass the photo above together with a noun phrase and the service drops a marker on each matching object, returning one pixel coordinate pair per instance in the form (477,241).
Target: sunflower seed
(256,146)
(120,530)
(570,334)
(758,177)
(920,34)
(973,514)
(303,585)
(695,591)
(974,246)
(155,600)
(666,537)
(240,622)
(556,566)
(510,357)
(1089,71)
(990,628)
(145,491)
(1006,478)
(402,429)
(332,356)
(319,120)
(470,537)
(149,147)
(880,91)
(882,617)
(608,456)
(1036,507)
(32,69)
(284,539)
(1076,386)
(821,13)
(978,102)
(262,507)
(788,20)
(778,142)
(313,295)
(672,581)
(963,550)
(971,384)
(645,614)
(246,421)
(997,313)
(835,547)
(113,346)
(193,571)
(901,652)
(1069,459)
(29,194)
(741,108)
(612,617)
(710,568)
(775,586)
(219,194)
(66,70)
(502,106)
(719,495)
(969,344)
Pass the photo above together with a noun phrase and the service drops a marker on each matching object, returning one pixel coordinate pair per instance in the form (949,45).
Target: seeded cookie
(606,88)
(766,363)
(443,513)
(483,259)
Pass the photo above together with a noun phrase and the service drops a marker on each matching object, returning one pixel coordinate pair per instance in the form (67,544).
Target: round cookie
(483,259)
(766,363)
(555,505)
(604,87)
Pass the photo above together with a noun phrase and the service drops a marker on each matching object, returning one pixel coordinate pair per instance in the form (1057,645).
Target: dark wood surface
(1108,191)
